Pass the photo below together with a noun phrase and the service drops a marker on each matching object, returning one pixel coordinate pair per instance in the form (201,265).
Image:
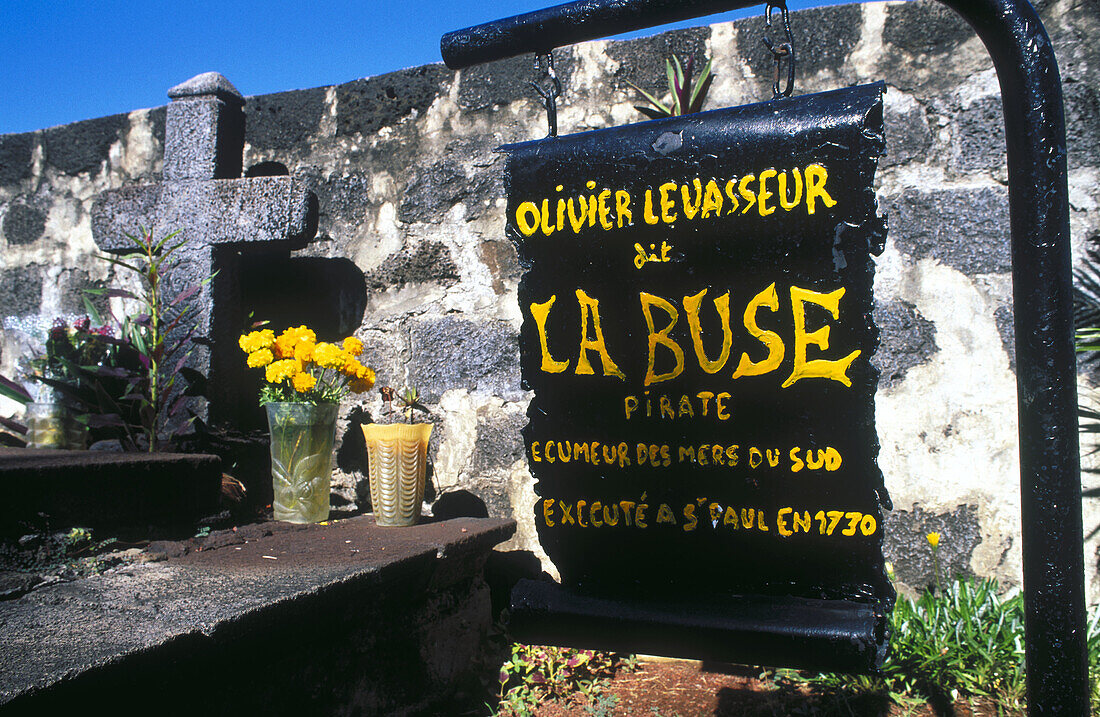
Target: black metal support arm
(1050,485)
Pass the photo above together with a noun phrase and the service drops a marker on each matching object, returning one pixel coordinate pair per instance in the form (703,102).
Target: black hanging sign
(697,332)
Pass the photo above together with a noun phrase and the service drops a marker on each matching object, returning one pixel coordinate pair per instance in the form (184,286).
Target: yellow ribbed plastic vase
(397,457)
(302,436)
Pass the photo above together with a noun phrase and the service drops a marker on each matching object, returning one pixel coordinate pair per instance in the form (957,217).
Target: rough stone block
(23,224)
(978,140)
(451,353)
(823,39)
(906,339)
(285,120)
(428,262)
(506,81)
(499,443)
(1082,101)
(204,136)
(109,491)
(368,105)
(72,298)
(906,547)
(502,260)
(16,151)
(82,147)
(342,198)
(924,27)
(435,188)
(966,229)
(908,137)
(1006,327)
(20,290)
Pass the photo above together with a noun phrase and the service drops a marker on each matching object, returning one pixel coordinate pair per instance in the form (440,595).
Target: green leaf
(671,74)
(11,389)
(661,107)
(697,93)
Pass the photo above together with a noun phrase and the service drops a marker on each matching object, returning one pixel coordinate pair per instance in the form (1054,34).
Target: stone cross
(220,216)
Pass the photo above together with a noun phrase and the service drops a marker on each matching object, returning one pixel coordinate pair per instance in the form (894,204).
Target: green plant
(602,706)
(1086,319)
(74,365)
(537,672)
(160,334)
(687,92)
(965,640)
(76,536)
(408,400)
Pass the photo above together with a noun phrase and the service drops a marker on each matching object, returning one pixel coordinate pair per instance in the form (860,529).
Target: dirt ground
(680,688)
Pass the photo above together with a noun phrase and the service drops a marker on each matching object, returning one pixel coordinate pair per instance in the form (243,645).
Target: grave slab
(345,618)
(108,491)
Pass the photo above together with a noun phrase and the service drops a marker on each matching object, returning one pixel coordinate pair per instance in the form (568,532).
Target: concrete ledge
(347,618)
(110,491)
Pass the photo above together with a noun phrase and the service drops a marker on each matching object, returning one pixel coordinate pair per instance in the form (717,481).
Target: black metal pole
(543,30)
(1046,379)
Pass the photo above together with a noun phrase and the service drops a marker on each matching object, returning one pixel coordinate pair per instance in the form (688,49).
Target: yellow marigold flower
(256,340)
(259,358)
(358,385)
(327,355)
(284,347)
(303,382)
(351,366)
(304,350)
(301,333)
(933,539)
(365,373)
(288,341)
(353,346)
(279,371)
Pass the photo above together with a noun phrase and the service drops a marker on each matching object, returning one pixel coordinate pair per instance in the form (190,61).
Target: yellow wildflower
(256,340)
(353,346)
(279,371)
(303,382)
(259,358)
(304,350)
(933,539)
(365,373)
(327,355)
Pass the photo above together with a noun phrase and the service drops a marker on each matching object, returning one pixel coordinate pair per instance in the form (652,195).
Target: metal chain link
(783,51)
(550,94)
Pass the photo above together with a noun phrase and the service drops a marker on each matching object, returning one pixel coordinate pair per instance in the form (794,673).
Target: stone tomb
(113,492)
(275,618)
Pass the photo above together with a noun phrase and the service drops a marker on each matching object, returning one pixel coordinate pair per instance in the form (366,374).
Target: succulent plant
(687,91)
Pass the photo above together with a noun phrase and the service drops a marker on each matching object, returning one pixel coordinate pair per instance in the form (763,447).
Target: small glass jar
(52,425)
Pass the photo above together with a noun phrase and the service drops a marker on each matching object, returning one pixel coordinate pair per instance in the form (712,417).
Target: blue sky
(67,60)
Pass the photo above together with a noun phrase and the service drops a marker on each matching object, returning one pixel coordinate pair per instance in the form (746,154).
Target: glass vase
(397,458)
(52,425)
(302,435)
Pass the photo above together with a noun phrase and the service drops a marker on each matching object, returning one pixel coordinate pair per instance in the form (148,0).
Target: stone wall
(410,191)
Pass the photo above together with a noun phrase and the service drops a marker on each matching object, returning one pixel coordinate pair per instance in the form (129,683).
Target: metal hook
(785,50)
(549,96)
